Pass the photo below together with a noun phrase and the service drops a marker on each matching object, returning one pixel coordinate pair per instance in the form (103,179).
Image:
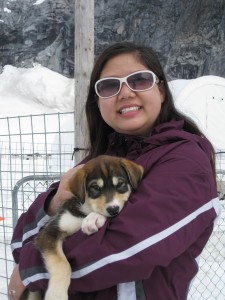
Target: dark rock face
(188,35)
(41,33)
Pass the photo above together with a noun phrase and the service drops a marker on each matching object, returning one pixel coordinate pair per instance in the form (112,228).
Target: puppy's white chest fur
(69,224)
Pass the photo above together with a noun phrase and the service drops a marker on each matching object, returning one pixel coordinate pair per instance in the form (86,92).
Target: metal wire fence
(35,151)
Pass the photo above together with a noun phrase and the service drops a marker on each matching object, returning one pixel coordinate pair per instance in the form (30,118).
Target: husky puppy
(100,189)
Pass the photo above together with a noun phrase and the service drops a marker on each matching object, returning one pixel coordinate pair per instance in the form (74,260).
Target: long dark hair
(98,130)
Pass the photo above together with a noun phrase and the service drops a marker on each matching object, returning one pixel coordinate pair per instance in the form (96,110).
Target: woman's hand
(63,192)
(16,287)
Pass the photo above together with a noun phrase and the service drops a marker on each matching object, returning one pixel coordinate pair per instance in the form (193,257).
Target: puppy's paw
(92,223)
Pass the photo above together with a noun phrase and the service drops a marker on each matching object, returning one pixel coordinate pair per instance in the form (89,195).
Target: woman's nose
(125,92)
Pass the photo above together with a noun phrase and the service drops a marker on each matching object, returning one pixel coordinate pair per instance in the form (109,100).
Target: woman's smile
(129,110)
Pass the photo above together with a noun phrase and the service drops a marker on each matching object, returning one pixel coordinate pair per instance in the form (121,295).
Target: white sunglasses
(138,82)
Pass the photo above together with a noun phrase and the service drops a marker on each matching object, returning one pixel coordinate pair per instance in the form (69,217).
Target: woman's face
(130,112)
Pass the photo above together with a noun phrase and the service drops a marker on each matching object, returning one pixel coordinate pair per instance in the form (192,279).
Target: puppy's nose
(113,210)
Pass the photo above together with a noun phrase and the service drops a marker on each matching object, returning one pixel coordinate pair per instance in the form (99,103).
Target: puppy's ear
(77,184)
(134,172)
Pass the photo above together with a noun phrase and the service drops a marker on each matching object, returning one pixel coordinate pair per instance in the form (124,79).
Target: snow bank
(34,90)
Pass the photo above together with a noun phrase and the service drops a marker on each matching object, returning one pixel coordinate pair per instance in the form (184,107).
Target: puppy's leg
(92,223)
(59,273)
(49,242)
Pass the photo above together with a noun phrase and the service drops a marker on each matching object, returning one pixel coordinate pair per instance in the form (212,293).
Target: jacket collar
(122,144)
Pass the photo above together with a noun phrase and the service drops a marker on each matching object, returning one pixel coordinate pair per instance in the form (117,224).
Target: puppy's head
(105,183)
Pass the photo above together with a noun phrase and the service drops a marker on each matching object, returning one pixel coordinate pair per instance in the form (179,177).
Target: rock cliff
(188,35)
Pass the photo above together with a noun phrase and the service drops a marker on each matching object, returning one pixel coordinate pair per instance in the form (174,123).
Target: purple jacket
(149,250)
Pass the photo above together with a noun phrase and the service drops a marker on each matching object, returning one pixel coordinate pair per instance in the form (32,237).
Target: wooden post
(84,58)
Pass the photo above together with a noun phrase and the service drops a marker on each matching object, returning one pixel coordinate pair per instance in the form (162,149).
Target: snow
(33,91)
(38,2)
(7,10)
(38,90)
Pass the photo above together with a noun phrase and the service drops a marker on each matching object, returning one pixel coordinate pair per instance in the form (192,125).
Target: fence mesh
(35,151)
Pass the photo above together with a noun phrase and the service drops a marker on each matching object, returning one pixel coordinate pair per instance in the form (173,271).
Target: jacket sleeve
(171,212)
(30,222)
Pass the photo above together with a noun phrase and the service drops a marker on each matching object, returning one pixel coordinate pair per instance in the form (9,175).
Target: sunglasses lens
(108,87)
(141,81)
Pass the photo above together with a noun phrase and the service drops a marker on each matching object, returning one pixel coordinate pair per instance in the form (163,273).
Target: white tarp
(203,99)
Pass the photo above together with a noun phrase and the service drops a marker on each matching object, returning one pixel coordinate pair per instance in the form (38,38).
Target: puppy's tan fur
(100,189)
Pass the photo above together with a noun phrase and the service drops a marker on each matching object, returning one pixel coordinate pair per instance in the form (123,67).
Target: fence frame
(20,183)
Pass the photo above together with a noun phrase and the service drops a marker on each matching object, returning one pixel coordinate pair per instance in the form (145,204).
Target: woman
(149,251)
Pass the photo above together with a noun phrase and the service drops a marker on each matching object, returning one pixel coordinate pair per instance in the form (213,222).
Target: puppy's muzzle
(113,210)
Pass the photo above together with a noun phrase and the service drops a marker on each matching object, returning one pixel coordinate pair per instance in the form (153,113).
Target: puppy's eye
(95,188)
(121,184)
(122,187)
(94,191)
